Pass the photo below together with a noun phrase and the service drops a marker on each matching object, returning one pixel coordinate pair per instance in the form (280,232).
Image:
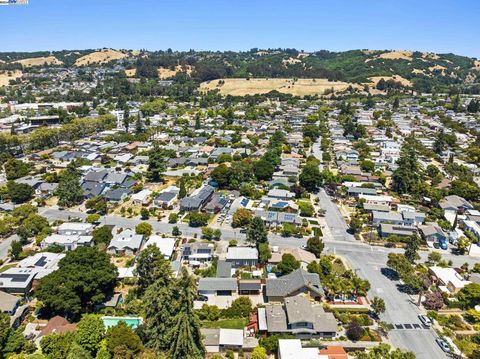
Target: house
(299,281)
(376,199)
(303,256)
(58,325)
(448,280)
(224,269)
(117,194)
(125,243)
(217,286)
(249,286)
(218,340)
(281,194)
(387,229)
(292,349)
(165,245)
(299,317)
(197,200)
(356,191)
(242,256)
(67,242)
(432,232)
(215,204)
(454,203)
(10,305)
(17,280)
(197,252)
(333,352)
(141,197)
(386,217)
(472,227)
(75,228)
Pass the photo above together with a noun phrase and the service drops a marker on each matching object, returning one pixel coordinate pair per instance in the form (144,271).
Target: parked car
(304,247)
(425,320)
(443,244)
(202,298)
(442,343)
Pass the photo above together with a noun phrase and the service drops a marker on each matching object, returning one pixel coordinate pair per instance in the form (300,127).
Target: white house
(75,228)
(165,245)
(141,197)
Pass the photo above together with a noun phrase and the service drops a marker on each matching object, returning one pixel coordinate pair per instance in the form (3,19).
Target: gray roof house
(299,281)
(242,256)
(218,286)
(455,203)
(126,242)
(117,194)
(297,316)
(197,201)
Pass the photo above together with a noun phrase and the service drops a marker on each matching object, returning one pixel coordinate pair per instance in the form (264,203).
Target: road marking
(379,290)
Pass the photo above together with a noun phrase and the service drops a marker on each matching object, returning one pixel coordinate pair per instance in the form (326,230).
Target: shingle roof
(287,284)
(213,284)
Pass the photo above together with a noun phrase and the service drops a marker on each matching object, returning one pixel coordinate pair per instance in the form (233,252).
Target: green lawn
(8,266)
(237,323)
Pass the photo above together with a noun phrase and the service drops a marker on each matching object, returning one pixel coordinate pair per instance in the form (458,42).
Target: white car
(425,320)
(442,343)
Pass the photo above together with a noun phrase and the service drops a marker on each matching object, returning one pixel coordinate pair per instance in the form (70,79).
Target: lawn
(6,267)
(236,323)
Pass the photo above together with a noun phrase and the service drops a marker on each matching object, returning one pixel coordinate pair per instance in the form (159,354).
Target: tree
(144,214)
(396,103)
(19,192)
(16,169)
(378,305)
(399,263)
(433,301)
(15,250)
(263,169)
(197,219)
(434,257)
(221,175)
(92,218)
(176,231)
(264,253)
(102,235)
(411,249)
(144,228)
(4,329)
(469,296)
(354,331)
(186,339)
(57,345)
(207,233)
(217,234)
(90,333)
(288,264)
(240,308)
(356,224)
(33,225)
(121,335)
(310,177)
(315,245)
(407,174)
(257,233)
(367,166)
(85,277)
(259,353)
(156,165)
(69,190)
(152,267)
(306,209)
(183,190)
(242,218)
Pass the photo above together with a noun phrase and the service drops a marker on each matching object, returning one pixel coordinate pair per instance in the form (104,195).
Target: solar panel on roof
(41,262)
(16,277)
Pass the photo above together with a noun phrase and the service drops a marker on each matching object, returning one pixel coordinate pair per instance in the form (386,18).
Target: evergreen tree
(90,333)
(183,190)
(411,249)
(396,103)
(138,125)
(156,165)
(407,174)
(152,267)
(186,339)
(257,233)
(69,190)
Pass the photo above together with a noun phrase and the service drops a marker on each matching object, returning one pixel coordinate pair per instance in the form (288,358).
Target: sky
(439,26)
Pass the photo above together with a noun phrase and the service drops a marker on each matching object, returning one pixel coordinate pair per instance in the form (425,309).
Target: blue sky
(426,25)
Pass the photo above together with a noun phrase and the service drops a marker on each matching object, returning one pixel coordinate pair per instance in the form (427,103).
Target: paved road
(5,246)
(334,218)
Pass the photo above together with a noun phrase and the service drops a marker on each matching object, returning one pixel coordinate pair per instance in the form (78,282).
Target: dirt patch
(396,55)
(101,57)
(164,73)
(290,61)
(300,87)
(438,67)
(397,78)
(477,65)
(430,55)
(6,76)
(419,72)
(40,61)
(131,72)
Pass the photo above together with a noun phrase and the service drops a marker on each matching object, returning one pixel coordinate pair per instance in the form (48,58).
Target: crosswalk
(409,326)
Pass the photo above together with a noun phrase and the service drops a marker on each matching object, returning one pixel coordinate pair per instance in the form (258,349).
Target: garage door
(224,292)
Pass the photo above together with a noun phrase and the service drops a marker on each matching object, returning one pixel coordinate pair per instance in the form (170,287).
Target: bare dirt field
(438,67)
(164,73)
(131,72)
(40,61)
(6,76)
(397,78)
(300,87)
(395,55)
(477,64)
(100,57)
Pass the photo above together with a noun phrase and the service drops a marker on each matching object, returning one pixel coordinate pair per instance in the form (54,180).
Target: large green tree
(407,174)
(152,267)
(156,165)
(69,190)
(185,336)
(90,333)
(257,233)
(310,177)
(85,277)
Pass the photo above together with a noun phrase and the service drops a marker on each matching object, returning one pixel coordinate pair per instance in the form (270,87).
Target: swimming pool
(133,322)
